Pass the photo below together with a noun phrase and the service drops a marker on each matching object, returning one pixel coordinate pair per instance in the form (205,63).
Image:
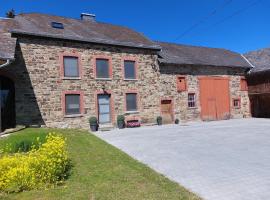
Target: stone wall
(41,64)
(39,85)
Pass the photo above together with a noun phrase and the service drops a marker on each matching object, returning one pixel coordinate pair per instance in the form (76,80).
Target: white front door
(104,109)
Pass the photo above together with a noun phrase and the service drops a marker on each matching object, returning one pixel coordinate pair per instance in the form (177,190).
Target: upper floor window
(181,84)
(131,102)
(129,69)
(243,84)
(191,100)
(71,67)
(103,68)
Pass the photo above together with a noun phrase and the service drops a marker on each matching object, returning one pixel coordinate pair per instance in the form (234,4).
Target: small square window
(191,100)
(102,68)
(236,103)
(71,67)
(130,70)
(72,104)
(181,84)
(131,102)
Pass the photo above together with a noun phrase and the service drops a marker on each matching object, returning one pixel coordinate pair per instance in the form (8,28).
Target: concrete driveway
(222,160)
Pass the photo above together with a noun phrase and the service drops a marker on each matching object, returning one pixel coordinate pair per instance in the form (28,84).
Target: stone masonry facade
(39,86)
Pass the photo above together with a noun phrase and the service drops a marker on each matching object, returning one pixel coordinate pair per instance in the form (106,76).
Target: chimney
(88,17)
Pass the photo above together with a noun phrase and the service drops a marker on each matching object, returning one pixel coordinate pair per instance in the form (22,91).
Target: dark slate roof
(260,59)
(80,30)
(193,55)
(7,43)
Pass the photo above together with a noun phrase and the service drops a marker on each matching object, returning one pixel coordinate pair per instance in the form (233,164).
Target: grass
(100,172)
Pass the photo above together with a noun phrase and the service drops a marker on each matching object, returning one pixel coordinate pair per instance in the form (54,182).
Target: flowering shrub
(42,167)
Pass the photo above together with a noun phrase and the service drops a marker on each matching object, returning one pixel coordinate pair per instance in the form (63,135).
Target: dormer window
(57,25)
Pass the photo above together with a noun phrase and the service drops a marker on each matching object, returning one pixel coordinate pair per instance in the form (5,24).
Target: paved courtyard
(222,160)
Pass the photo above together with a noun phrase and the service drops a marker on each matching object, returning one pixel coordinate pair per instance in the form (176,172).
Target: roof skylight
(57,25)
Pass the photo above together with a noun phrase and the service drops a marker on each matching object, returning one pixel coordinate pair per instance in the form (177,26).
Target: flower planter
(121,125)
(94,127)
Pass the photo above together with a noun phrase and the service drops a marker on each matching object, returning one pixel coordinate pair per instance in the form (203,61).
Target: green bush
(37,168)
(120,119)
(93,121)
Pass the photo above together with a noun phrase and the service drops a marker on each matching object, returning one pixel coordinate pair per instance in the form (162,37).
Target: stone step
(105,127)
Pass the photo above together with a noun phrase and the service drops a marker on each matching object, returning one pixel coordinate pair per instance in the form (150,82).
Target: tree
(10,14)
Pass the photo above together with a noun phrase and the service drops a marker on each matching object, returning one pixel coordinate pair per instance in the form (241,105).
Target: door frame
(215,78)
(107,92)
(172,105)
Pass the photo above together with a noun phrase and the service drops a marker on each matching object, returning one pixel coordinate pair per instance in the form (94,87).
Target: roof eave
(154,47)
(198,64)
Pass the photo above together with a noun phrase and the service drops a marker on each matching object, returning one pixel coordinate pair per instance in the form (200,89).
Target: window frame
(137,101)
(102,57)
(236,99)
(62,65)
(81,94)
(131,59)
(185,83)
(194,100)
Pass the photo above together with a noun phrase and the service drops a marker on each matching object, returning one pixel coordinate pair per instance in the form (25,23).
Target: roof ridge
(187,45)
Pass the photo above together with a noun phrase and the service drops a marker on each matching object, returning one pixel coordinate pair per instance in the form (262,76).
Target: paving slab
(220,160)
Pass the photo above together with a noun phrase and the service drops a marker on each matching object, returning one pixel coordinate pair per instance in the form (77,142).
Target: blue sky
(238,25)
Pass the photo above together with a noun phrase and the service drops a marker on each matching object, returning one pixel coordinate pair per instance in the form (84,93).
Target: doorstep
(106,127)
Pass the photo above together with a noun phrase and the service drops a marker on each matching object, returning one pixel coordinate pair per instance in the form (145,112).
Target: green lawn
(100,171)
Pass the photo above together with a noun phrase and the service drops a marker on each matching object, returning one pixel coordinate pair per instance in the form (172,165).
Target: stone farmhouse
(58,72)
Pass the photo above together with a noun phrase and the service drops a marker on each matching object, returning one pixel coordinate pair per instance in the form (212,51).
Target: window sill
(192,108)
(73,116)
(127,79)
(131,112)
(103,79)
(71,78)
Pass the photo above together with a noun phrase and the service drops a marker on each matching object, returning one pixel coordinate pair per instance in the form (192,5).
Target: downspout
(5,64)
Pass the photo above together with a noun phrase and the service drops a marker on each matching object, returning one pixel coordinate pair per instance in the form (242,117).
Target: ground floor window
(131,102)
(236,103)
(72,103)
(191,100)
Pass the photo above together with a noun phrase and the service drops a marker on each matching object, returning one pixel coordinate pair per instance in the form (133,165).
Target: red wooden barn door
(214,96)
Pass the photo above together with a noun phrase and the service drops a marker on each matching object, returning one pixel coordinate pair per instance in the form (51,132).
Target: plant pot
(121,125)
(94,127)
(159,123)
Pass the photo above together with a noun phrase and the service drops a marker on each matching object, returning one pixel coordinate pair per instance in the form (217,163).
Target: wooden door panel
(214,97)
(166,111)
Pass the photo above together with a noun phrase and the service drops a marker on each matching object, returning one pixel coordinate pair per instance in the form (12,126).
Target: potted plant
(93,124)
(176,121)
(121,121)
(159,120)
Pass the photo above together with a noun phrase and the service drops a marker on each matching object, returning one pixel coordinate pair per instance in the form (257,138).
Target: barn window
(243,84)
(181,83)
(236,103)
(191,100)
